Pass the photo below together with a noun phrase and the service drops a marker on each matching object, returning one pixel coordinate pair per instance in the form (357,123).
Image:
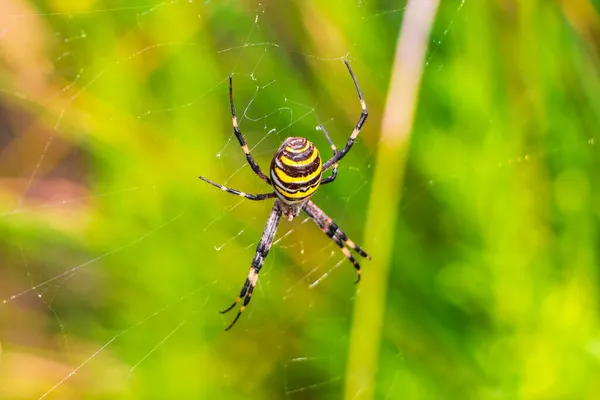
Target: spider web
(117,258)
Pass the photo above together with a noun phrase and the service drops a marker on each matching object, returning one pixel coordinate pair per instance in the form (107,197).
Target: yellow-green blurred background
(115,258)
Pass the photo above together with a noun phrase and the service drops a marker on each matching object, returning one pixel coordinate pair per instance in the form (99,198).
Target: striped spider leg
(334,171)
(361,120)
(248,196)
(255,167)
(259,258)
(334,232)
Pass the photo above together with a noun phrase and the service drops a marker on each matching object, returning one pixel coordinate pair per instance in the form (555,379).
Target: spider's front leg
(259,258)
(238,134)
(338,155)
(334,232)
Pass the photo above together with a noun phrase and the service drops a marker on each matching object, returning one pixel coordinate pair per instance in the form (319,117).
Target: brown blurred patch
(61,204)
(27,375)
(22,45)
(584,18)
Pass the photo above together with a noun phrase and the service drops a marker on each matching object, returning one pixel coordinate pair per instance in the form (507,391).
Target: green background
(115,258)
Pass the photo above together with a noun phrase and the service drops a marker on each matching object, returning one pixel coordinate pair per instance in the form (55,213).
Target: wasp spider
(295,174)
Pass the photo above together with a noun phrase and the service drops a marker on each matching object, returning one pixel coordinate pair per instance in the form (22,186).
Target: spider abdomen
(296,170)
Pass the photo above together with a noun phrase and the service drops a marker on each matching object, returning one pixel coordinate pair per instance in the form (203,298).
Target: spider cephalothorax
(295,174)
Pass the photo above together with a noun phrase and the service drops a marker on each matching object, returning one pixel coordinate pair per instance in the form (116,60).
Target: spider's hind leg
(331,229)
(259,258)
(246,294)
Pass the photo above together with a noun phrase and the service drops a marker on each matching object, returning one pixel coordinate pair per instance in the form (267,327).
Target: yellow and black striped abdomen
(296,170)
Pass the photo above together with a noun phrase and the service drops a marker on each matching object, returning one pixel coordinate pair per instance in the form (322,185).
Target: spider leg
(334,172)
(331,229)
(238,193)
(255,167)
(261,253)
(361,120)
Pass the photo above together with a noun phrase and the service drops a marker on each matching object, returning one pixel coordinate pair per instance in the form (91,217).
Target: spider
(295,174)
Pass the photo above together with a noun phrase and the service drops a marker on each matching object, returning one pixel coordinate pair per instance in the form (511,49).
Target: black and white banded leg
(261,253)
(263,196)
(361,120)
(255,167)
(334,171)
(331,229)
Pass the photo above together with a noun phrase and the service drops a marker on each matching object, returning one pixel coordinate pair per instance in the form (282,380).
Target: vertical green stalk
(385,197)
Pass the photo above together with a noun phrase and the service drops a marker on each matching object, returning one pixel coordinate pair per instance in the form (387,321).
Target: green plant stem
(385,197)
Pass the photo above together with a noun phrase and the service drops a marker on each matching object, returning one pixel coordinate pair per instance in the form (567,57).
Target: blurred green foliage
(115,258)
